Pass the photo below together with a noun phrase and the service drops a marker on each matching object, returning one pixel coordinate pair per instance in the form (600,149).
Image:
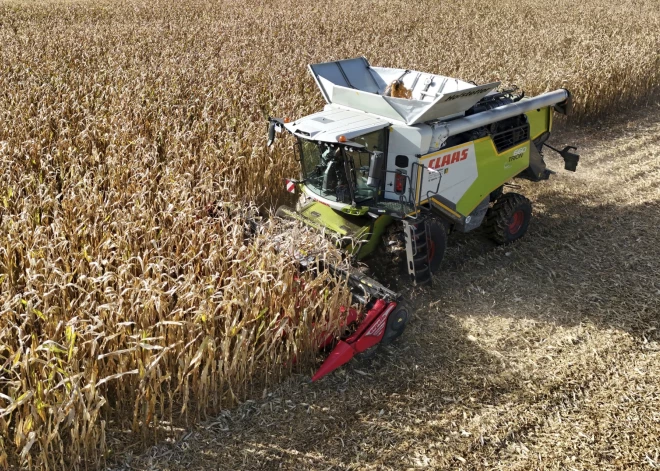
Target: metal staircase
(417,251)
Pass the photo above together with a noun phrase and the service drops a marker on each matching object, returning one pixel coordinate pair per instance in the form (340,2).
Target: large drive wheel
(437,244)
(509,218)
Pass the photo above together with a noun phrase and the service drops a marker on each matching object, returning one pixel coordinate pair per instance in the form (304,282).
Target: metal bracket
(570,159)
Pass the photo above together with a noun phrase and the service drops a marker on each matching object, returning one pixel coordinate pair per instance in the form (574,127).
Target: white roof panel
(331,123)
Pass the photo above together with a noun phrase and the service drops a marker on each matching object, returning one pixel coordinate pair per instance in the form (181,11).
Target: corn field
(133,297)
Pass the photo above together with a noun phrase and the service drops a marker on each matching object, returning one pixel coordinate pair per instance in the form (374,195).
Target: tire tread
(496,224)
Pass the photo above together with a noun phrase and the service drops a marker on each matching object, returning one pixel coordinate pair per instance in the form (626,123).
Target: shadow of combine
(582,261)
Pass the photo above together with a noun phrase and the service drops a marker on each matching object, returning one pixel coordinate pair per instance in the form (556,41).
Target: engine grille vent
(506,139)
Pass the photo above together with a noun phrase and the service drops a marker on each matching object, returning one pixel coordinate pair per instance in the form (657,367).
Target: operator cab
(339,172)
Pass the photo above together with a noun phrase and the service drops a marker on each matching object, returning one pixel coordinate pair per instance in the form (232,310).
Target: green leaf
(39,314)
(262,312)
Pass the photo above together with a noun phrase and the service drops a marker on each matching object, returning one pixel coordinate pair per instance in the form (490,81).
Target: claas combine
(417,154)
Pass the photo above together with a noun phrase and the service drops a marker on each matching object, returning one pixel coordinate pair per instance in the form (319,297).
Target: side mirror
(375,169)
(274,125)
(271,133)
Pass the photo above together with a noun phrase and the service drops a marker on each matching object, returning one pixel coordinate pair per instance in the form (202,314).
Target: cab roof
(333,122)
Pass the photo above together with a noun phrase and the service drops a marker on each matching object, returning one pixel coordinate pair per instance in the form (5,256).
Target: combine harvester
(427,153)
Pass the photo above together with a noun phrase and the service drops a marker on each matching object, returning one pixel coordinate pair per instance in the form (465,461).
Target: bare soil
(540,355)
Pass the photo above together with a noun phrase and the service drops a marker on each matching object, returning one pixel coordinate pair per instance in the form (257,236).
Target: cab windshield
(339,172)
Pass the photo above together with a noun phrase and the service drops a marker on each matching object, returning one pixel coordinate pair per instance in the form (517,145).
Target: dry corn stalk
(122,305)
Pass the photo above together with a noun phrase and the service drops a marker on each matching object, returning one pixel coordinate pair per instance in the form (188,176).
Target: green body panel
(359,228)
(377,230)
(496,169)
(334,220)
(493,170)
(357,211)
(540,121)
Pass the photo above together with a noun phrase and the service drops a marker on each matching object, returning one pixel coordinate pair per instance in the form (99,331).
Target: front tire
(509,218)
(437,244)
(430,251)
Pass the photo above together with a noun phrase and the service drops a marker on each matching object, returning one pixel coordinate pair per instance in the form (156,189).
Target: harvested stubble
(122,308)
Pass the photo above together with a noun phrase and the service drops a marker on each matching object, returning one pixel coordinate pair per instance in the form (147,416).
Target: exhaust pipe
(560,97)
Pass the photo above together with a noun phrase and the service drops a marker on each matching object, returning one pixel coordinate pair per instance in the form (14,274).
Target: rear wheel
(509,218)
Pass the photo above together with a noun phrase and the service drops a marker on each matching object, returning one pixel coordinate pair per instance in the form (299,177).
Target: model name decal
(518,153)
(448,159)
(377,327)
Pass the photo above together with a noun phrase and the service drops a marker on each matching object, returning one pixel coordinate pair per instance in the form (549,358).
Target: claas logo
(448,159)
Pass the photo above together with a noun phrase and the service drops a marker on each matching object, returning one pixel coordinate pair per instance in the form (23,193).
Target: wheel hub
(396,323)
(516,221)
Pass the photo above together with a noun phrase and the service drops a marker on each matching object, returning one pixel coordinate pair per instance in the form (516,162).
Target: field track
(543,355)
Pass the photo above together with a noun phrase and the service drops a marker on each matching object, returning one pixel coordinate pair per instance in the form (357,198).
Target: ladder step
(417,254)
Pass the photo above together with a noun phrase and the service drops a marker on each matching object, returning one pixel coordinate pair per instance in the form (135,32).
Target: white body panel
(455,168)
(366,102)
(404,140)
